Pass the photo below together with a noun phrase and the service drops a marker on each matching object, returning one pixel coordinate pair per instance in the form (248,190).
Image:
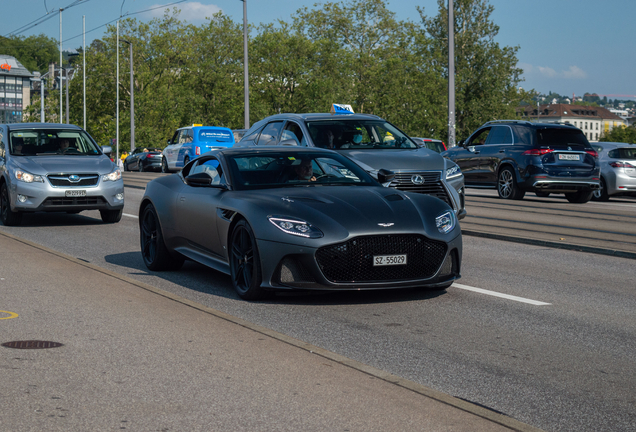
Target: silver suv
(56,168)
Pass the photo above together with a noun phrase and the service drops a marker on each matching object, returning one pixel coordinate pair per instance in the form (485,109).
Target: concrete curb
(460,404)
(547,243)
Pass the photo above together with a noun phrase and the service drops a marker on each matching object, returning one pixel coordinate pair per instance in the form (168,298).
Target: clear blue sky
(565,46)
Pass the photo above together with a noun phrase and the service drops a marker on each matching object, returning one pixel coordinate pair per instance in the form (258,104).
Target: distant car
(431,144)
(291,218)
(516,157)
(144,159)
(372,143)
(47,167)
(192,141)
(618,170)
(238,134)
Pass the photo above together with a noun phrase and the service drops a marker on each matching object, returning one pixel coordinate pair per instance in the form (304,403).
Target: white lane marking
(497,294)
(132,216)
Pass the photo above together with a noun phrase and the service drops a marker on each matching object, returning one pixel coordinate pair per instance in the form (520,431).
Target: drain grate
(32,344)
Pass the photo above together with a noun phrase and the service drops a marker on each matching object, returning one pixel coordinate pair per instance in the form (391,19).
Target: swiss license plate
(387,260)
(572,157)
(75,193)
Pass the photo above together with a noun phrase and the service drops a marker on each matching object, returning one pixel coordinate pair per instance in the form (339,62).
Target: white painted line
(497,294)
(132,216)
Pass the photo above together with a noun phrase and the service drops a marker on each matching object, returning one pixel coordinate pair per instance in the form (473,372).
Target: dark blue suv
(516,157)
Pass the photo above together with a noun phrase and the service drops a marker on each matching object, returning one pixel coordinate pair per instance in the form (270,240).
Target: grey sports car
(282,218)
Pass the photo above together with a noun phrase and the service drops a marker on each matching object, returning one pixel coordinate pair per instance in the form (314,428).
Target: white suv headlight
(28,177)
(114,176)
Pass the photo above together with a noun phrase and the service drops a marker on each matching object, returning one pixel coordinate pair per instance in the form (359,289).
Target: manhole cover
(32,344)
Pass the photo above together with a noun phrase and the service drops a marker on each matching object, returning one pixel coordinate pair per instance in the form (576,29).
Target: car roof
(527,123)
(322,116)
(25,126)
(612,144)
(203,127)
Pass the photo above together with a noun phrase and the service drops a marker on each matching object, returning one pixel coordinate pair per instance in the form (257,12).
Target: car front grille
(63,180)
(352,261)
(74,201)
(431,184)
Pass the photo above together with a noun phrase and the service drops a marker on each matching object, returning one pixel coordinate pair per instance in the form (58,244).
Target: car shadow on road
(45,219)
(202,279)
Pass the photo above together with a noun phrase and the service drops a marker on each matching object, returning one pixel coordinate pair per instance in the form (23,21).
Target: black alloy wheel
(245,265)
(601,194)
(9,217)
(507,185)
(153,248)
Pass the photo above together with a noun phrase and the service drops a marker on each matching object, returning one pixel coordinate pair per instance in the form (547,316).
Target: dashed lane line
(498,294)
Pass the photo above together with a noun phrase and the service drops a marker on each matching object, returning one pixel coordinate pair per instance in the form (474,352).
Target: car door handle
(502,151)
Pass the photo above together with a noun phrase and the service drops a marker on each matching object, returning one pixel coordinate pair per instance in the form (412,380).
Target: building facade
(593,121)
(15,89)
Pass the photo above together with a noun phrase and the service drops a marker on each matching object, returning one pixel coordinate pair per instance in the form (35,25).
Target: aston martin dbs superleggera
(281,218)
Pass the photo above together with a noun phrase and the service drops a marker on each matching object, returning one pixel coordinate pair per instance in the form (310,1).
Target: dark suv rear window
(557,137)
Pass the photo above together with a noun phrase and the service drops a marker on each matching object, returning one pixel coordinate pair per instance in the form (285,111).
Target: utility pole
(132,97)
(451,74)
(245,67)
(60,120)
(84,66)
(117,85)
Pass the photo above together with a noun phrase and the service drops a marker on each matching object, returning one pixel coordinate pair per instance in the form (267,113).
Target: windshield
(39,142)
(291,169)
(358,134)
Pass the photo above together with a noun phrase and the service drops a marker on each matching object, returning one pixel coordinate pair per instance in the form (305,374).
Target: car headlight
(453,172)
(295,227)
(28,177)
(445,222)
(114,176)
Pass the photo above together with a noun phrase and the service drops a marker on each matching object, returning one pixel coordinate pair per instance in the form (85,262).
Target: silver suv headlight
(26,177)
(113,176)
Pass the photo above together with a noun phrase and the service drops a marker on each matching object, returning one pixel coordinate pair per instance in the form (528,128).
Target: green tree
(621,134)
(34,52)
(486,74)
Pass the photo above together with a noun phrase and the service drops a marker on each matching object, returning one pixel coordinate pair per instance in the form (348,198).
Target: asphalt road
(556,353)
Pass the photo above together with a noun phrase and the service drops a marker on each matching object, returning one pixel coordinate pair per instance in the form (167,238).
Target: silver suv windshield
(46,142)
(358,134)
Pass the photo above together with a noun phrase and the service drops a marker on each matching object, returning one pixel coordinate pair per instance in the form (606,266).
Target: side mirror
(462,143)
(288,142)
(199,179)
(107,150)
(385,176)
(168,141)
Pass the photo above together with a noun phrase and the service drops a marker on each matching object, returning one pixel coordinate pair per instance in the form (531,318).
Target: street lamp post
(117,85)
(61,9)
(42,81)
(451,74)
(245,67)
(132,98)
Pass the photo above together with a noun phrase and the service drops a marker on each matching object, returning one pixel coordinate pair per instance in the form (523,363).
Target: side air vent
(227,214)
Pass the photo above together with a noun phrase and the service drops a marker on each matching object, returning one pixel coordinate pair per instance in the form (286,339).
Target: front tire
(507,185)
(580,197)
(185,161)
(164,166)
(245,264)
(153,248)
(601,194)
(111,216)
(8,216)
(140,166)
